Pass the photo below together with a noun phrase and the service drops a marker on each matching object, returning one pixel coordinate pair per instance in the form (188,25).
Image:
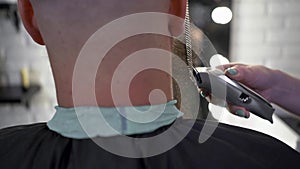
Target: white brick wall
(284,8)
(21,52)
(267,32)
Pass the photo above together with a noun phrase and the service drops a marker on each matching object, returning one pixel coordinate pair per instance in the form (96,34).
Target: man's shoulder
(216,128)
(232,134)
(16,135)
(243,143)
(20,129)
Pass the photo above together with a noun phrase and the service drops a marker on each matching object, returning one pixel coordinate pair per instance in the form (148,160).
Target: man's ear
(178,8)
(29,21)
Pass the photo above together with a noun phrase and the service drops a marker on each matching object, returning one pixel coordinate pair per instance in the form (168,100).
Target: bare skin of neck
(140,87)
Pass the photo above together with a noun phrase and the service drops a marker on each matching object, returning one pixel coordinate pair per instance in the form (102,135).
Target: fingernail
(232,71)
(203,94)
(241,113)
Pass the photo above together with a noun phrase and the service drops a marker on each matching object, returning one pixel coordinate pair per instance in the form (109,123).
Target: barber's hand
(258,78)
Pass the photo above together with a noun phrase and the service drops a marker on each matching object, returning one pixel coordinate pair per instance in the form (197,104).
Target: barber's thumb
(240,73)
(232,72)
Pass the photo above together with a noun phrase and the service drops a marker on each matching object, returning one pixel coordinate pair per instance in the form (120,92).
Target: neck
(121,79)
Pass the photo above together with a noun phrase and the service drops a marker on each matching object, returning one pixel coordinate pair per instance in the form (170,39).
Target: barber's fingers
(238,111)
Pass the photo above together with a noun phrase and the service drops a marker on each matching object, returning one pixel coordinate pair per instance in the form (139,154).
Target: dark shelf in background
(17,94)
(11,10)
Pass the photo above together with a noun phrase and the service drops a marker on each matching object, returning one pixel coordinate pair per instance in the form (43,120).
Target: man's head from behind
(64,26)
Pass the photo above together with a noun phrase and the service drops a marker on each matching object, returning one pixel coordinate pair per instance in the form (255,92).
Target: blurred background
(265,32)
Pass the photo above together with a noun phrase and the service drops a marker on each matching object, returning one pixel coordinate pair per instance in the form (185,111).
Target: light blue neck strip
(89,122)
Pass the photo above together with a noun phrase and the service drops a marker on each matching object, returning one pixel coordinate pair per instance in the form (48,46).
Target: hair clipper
(236,93)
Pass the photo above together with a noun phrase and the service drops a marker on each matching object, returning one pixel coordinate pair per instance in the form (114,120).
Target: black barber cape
(37,147)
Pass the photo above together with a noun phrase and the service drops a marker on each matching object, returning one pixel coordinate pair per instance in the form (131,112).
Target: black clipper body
(236,93)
